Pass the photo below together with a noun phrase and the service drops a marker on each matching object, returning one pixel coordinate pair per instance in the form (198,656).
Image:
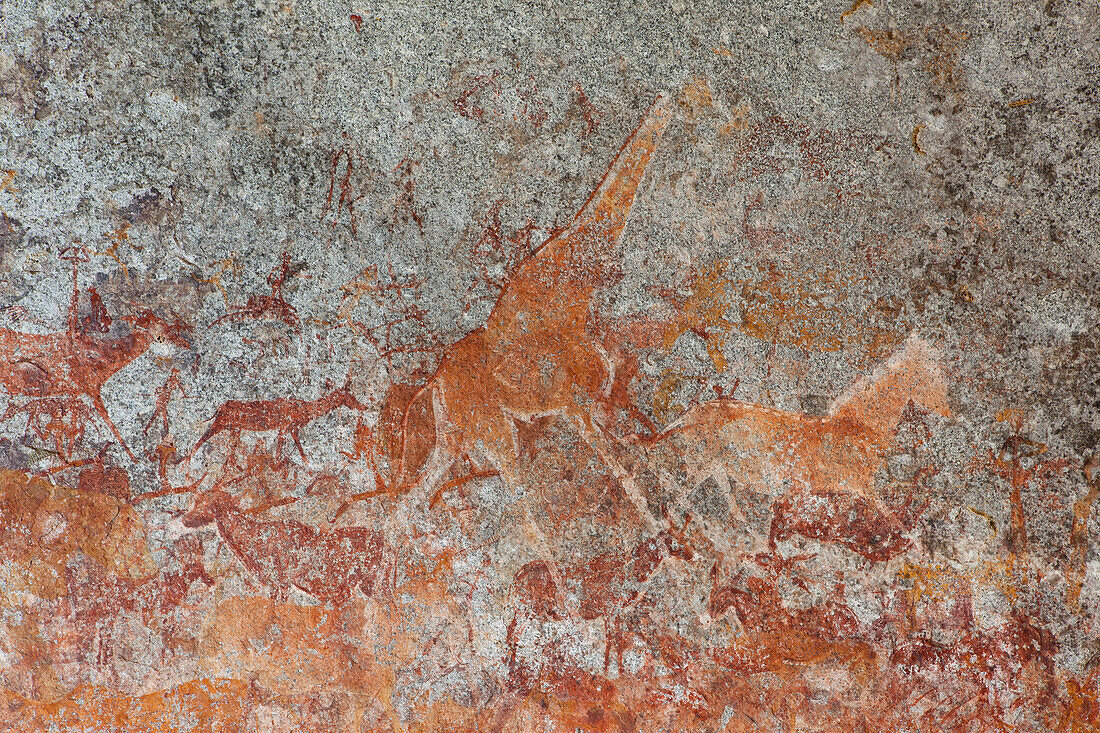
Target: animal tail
(913,374)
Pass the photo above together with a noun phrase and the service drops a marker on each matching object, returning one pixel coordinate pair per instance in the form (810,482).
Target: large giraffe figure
(535,355)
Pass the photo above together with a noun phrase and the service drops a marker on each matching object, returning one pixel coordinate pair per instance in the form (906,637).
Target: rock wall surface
(397,366)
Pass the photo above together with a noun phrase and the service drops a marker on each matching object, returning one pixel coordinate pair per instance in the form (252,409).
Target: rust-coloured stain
(722,562)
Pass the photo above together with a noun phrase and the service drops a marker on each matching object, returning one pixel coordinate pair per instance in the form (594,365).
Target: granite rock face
(560,366)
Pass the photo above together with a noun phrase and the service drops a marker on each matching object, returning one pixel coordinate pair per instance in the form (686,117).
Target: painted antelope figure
(781,639)
(769,450)
(66,418)
(607,586)
(536,354)
(849,520)
(287,554)
(97,600)
(274,306)
(287,415)
(71,364)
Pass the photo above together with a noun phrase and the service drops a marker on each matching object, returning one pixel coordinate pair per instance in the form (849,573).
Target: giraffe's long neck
(581,257)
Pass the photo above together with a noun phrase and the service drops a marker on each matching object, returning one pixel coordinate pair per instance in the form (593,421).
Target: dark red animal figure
(846,519)
(758,605)
(1018,655)
(71,364)
(288,415)
(272,306)
(96,595)
(287,554)
(608,585)
(781,639)
(97,601)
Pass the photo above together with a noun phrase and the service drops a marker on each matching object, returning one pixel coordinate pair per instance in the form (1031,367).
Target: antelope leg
(599,443)
(101,408)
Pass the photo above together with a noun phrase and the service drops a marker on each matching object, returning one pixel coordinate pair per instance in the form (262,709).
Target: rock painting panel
(677,412)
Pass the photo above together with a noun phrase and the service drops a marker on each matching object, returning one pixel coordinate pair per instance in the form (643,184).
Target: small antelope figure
(287,415)
(867,529)
(71,364)
(64,426)
(781,639)
(287,554)
(608,585)
(274,306)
